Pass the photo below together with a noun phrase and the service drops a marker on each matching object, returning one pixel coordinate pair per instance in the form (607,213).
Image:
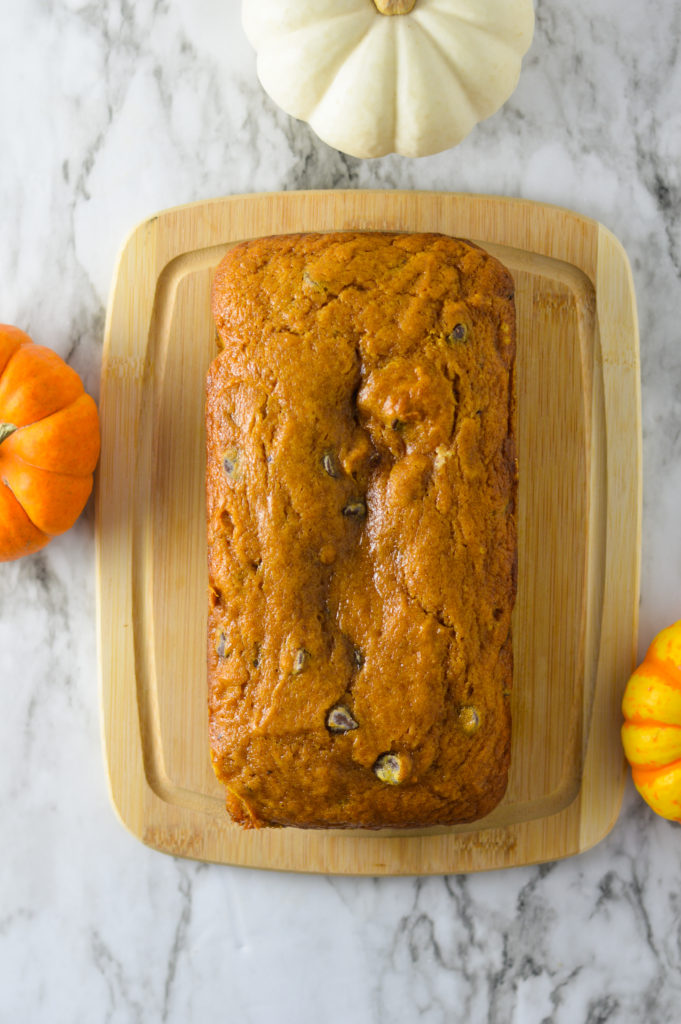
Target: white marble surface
(110,111)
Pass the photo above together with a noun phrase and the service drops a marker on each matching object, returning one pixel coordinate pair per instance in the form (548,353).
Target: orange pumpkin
(651,733)
(49,444)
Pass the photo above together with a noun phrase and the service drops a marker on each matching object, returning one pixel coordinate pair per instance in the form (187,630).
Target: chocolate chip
(300,661)
(330,465)
(388,768)
(458,333)
(355,510)
(230,463)
(340,720)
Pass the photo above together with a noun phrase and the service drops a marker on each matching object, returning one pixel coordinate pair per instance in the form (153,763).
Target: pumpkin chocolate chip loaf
(361,488)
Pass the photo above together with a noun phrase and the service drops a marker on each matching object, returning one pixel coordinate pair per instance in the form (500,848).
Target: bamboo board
(579,439)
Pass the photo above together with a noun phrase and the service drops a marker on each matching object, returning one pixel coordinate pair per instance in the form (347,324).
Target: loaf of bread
(361,489)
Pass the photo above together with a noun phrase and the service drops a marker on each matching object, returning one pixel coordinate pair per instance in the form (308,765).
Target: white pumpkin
(380,76)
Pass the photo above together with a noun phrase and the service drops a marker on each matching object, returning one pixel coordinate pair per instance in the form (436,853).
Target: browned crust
(375,370)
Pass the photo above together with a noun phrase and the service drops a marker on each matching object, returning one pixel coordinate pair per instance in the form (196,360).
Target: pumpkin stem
(5,430)
(394,6)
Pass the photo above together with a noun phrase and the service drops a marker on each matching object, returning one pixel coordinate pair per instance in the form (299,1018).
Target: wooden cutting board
(575,622)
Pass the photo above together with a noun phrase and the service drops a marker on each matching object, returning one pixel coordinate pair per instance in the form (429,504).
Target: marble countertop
(110,112)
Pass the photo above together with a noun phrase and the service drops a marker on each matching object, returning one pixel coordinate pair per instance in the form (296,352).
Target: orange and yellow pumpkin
(49,444)
(651,733)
